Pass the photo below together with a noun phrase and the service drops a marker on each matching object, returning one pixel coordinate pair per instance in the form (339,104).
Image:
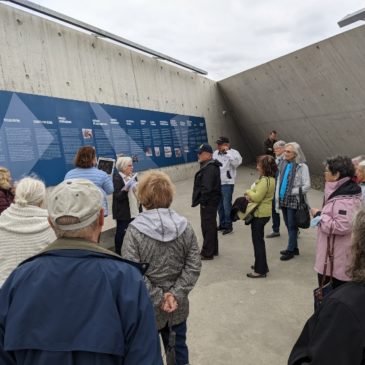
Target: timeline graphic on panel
(41,135)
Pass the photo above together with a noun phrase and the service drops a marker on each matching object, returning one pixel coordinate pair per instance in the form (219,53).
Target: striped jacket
(24,231)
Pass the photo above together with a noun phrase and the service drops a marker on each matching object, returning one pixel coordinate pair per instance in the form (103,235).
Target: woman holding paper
(125,203)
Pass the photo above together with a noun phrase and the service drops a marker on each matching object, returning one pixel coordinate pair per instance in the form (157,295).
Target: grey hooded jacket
(168,243)
(302,179)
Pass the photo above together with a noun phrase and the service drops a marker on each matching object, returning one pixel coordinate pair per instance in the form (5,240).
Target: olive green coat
(262,192)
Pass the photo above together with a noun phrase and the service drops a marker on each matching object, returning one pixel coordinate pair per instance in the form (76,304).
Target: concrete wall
(43,57)
(314,96)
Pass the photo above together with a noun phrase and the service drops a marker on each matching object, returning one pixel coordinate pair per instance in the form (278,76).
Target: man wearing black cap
(207,193)
(230,160)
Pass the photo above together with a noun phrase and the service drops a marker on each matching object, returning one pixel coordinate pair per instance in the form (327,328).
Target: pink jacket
(336,218)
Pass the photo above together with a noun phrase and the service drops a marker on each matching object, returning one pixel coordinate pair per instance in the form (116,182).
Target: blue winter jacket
(77,306)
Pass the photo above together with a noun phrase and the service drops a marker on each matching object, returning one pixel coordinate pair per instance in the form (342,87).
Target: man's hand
(225,148)
(169,303)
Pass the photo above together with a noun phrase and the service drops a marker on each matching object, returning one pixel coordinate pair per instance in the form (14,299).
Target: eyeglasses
(288,151)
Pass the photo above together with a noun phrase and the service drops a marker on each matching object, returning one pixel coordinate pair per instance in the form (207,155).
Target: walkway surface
(235,320)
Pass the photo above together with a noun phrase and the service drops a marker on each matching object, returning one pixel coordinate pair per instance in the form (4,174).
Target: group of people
(334,334)
(66,300)
(281,180)
(51,264)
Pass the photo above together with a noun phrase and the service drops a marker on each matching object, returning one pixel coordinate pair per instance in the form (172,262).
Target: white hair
(123,162)
(362,165)
(357,160)
(30,191)
(279,144)
(299,155)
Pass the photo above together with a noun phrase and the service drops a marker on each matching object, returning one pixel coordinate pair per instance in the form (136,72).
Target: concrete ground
(236,320)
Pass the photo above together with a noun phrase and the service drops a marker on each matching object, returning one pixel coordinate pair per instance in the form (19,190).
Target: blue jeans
(181,349)
(225,206)
(289,219)
(275,218)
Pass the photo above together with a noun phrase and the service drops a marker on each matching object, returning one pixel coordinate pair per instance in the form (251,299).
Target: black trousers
(257,233)
(208,216)
(122,226)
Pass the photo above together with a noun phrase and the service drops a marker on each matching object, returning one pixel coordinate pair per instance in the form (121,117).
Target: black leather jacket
(207,184)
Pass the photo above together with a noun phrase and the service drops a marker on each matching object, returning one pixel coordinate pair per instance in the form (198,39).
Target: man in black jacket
(207,193)
(269,144)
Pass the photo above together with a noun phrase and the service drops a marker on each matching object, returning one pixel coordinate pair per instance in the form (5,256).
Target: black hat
(205,147)
(222,140)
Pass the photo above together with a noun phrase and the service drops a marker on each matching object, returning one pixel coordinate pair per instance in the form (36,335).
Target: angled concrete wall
(43,57)
(314,96)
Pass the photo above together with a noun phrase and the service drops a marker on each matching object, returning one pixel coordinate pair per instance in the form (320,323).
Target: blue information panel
(41,135)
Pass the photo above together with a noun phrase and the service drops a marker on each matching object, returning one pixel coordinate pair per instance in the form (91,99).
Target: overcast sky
(223,37)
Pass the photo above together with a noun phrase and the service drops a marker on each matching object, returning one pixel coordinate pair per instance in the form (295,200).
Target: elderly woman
(165,240)
(6,189)
(335,333)
(293,175)
(125,203)
(342,200)
(24,227)
(85,162)
(360,174)
(262,193)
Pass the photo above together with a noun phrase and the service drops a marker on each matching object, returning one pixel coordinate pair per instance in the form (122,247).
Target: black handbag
(324,289)
(302,216)
(250,216)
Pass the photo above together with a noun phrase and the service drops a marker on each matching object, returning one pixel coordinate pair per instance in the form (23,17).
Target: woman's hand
(169,303)
(314,211)
(248,198)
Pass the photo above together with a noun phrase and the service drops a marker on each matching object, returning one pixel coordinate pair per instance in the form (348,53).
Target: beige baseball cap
(78,198)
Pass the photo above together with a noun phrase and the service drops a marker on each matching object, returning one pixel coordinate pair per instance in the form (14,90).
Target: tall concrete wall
(43,57)
(315,96)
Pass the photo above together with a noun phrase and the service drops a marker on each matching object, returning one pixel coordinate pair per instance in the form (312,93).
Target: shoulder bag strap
(267,191)
(301,195)
(268,187)
(329,256)
(258,204)
(332,256)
